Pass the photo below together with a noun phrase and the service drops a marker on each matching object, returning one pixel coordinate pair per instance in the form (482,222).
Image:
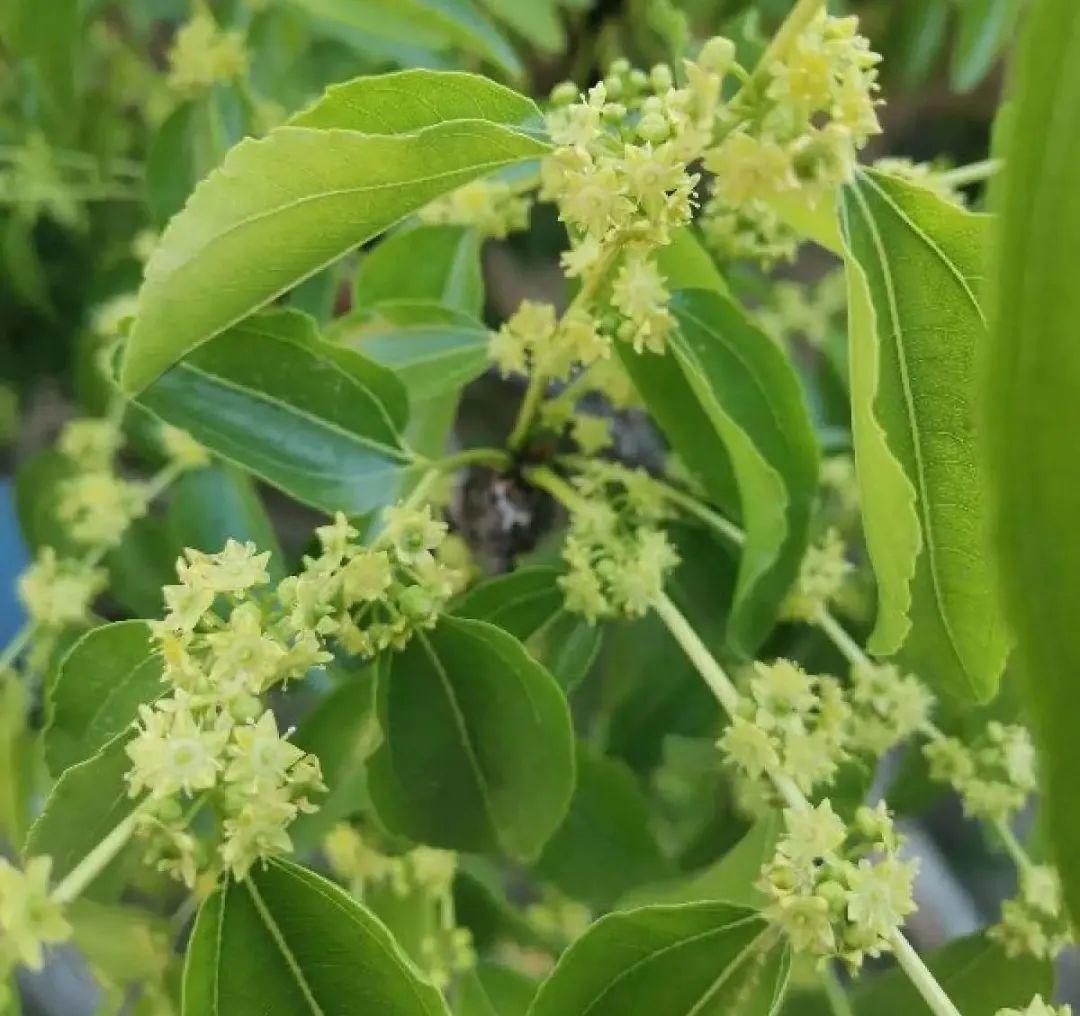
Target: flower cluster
(790,723)
(617,556)
(838,890)
(29,918)
(1034,923)
(202,55)
(797,130)
(620,176)
(96,505)
(57,592)
(557,918)
(226,640)
(994,776)
(812,312)
(491,207)
(422,875)
(533,339)
(821,574)
(887,707)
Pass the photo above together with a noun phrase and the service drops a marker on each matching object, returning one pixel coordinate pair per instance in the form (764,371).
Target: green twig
(94,863)
(976,172)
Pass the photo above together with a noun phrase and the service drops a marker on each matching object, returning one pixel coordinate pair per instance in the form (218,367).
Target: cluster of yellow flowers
(210,740)
(202,55)
(839,890)
(491,207)
(822,572)
(790,723)
(424,877)
(796,130)
(1037,1007)
(617,556)
(994,776)
(533,339)
(1035,922)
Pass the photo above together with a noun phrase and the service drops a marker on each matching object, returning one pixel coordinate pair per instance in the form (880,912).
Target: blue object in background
(13,559)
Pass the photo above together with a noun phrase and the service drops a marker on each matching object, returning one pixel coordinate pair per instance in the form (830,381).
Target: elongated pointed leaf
(1033,404)
(986,28)
(101,683)
(286,942)
(918,327)
(319,421)
(696,959)
(666,392)
(280,208)
(478,752)
(750,394)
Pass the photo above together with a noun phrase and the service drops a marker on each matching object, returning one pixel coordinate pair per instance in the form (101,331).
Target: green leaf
(285,942)
(605,845)
(915,266)
(217,503)
(342,731)
(750,394)
(318,421)
(665,390)
(538,21)
(89,800)
(696,959)
(432,349)
(493,990)
(1032,403)
(170,163)
(530,605)
(974,971)
(144,561)
(47,38)
(478,750)
(438,23)
(729,880)
(985,30)
(19,761)
(280,208)
(440,264)
(101,683)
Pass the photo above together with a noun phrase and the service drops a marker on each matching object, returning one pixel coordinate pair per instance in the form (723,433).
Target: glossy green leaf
(343,731)
(88,801)
(440,264)
(126,944)
(143,563)
(282,207)
(493,990)
(916,327)
(321,422)
(285,941)
(750,394)
(695,959)
(530,605)
(605,845)
(729,880)
(217,503)
(985,30)
(1033,403)
(101,683)
(18,759)
(974,971)
(432,349)
(478,751)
